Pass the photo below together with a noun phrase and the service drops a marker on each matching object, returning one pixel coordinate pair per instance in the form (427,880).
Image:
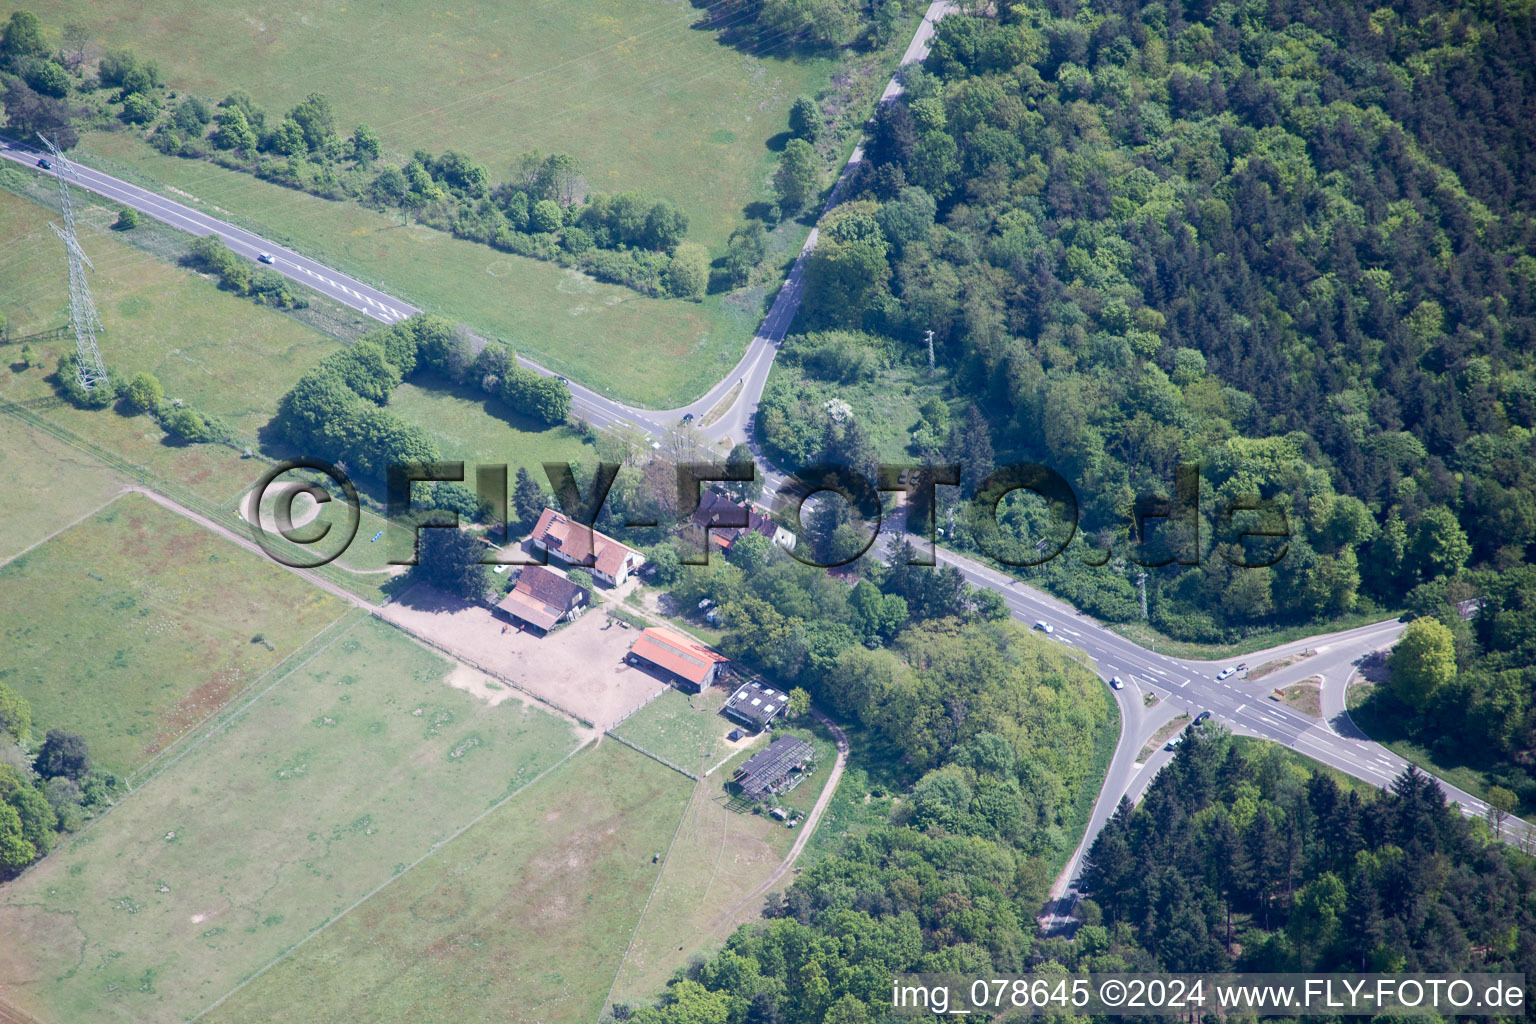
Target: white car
(1045,627)
(1225,672)
(1117,683)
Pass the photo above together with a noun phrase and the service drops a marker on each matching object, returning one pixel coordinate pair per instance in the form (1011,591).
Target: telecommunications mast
(89,370)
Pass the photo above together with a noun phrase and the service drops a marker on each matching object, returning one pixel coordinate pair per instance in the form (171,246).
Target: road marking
(1239,708)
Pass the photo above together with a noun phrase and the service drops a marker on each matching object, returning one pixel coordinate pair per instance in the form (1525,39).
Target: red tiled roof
(541,597)
(677,654)
(576,542)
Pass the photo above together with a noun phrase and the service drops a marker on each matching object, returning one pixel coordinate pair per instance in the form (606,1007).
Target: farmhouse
(575,544)
(724,522)
(680,659)
(542,599)
(755,705)
(774,769)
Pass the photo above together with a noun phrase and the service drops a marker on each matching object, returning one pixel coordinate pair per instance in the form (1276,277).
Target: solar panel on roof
(756,701)
(768,710)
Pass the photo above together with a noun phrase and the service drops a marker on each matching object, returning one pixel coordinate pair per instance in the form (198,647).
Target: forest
(1259,865)
(1290,242)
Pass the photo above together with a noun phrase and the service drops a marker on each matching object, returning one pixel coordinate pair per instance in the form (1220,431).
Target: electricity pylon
(89,369)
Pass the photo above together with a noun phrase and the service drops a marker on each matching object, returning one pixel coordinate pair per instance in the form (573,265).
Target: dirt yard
(579,668)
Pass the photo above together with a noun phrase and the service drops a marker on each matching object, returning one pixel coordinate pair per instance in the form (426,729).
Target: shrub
(98,397)
(127,219)
(188,424)
(144,393)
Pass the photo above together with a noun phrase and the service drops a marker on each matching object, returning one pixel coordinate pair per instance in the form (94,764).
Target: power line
(89,369)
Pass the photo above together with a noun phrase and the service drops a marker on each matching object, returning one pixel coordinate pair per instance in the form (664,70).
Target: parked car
(1117,683)
(266,257)
(1171,744)
(1201,717)
(1045,627)
(45,163)
(1225,672)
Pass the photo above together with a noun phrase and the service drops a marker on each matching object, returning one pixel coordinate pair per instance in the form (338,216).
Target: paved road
(345,290)
(1181,683)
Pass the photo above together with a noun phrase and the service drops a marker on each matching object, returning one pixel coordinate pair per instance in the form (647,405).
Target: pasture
(48,485)
(135,624)
(354,766)
(524,917)
(221,354)
(471,427)
(722,853)
(641,98)
(683,728)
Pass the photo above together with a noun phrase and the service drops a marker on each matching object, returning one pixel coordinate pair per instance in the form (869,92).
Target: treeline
(543,210)
(1247,863)
(267,287)
(774,26)
(44,792)
(1139,239)
(339,408)
(141,393)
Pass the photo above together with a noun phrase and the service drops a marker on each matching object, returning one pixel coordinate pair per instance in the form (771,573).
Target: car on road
(266,257)
(1045,627)
(1224,673)
(1116,683)
(687,417)
(1171,744)
(561,379)
(1200,719)
(45,163)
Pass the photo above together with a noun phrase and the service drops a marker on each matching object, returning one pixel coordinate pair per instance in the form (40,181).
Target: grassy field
(643,100)
(221,354)
(473,428)
(524,917)
(48,485)
(134,625)
(682,728)
(356,764)
(657,352)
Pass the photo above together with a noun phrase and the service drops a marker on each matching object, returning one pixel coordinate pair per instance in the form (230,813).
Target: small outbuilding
(775,769)
(755,705)
(543,599)
(678,659)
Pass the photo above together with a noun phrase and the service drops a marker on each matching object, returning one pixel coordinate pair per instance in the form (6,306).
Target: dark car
(45,163)
(1201,717)
(687,417)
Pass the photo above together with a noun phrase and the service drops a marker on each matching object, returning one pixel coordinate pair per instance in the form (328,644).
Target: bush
(536,396)
(688,273)
(545,216)
(188,424)
(805,120)
(144,393)
(98,397)
(127,220)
